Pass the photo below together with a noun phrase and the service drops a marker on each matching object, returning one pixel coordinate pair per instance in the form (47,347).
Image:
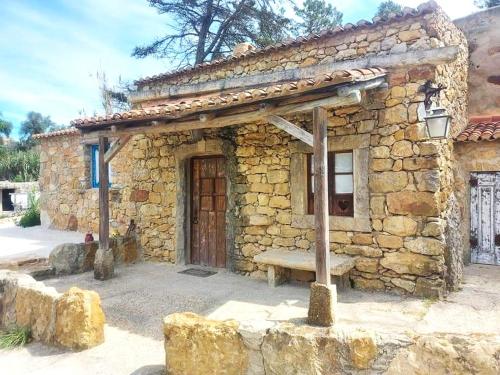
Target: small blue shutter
(94,165)
(94,156)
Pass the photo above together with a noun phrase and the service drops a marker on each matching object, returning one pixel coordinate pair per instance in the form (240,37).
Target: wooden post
(320,121)
(103,196)
(103,262)
(323,297)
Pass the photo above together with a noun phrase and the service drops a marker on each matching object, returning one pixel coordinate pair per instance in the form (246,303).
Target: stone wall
(403,181)
(73,320)
(486,158)
(195,345)
(483,35)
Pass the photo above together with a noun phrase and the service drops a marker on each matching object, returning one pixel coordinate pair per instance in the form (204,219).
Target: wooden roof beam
(352,98)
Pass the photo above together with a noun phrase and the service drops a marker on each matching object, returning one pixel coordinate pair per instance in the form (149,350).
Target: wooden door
(208,211)
(485,218)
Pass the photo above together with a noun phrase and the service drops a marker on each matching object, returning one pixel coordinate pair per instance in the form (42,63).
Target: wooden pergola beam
(177,125)
(116,146)
(291,129)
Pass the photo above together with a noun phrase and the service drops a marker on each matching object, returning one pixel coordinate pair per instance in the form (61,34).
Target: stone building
(215,167)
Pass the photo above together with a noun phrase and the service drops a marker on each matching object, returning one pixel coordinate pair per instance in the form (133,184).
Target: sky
(51,50)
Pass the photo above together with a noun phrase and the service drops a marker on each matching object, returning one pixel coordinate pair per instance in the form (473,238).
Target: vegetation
(487,3)
(31,216)
(35,123)
(317,15)
(14,337)
(387,7)
(19,165)
(204,30)
(5,127)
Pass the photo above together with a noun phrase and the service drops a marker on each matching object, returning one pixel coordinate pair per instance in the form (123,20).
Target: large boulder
(36,308)
(10,282)
(195,345)
(79,319)
(72,258)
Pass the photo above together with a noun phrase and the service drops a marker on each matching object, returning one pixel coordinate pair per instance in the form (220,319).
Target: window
(340,184)
(94,166)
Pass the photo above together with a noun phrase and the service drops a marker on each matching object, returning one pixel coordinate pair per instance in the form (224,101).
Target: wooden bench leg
(342,282)
(276,275)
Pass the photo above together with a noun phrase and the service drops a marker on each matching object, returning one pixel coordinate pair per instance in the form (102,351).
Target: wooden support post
(103,196)
(320,120)
(323,296)
(104,262)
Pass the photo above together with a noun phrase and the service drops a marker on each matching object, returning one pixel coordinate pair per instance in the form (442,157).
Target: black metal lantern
(438,123)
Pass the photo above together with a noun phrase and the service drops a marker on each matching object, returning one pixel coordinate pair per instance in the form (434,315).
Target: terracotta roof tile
(392,17)
(481,128)
(198,104)
(68,131)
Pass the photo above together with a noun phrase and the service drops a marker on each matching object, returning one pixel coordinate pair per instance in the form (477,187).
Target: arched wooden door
(208,211)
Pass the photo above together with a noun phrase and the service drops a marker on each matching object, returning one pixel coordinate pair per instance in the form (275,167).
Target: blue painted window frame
(94,162)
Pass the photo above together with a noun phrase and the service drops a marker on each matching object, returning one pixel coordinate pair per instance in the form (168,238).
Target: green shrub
(14,337)
(19,165)
(31,216)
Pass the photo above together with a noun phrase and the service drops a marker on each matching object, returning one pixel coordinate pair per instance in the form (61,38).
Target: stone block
(322,305)
(369,265)
(386,182)
(389,242)
(259,220)
(79,319)
(426,246)
(412,203)
(277,176)
(411,263)
(196,345)
(368,284)
(400,225)
(279,202)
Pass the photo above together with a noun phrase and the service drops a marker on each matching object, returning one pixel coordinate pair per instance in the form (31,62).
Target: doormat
(198,272)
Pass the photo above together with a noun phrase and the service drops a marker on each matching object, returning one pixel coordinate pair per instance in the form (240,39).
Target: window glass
(340,184)
(343,184)
(343,162)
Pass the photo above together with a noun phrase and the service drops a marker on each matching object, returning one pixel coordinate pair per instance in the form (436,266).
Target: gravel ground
(137,299)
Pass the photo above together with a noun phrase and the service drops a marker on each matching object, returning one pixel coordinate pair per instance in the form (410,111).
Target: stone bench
(281,261)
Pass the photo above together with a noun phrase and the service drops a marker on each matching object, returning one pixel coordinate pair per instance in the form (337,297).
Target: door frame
(183,155)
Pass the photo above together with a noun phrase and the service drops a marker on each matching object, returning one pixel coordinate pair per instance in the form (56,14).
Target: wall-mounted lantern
(438,123)
(437,120)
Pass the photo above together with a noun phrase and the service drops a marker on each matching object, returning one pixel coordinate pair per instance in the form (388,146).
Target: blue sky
(51,50)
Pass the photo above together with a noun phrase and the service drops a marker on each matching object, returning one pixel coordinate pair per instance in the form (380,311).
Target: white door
(485,218)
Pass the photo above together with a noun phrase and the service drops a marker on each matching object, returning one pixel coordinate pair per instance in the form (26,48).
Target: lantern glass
(438,122)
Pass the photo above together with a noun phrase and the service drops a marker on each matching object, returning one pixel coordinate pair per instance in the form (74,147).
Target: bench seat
(281,261)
